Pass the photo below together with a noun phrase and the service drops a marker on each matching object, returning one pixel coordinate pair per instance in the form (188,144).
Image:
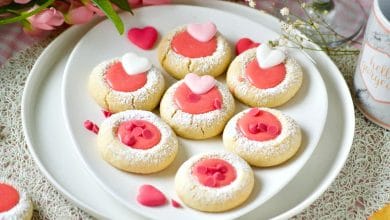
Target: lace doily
(362,187)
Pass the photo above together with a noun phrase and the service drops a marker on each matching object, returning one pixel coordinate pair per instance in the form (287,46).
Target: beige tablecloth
(362,187)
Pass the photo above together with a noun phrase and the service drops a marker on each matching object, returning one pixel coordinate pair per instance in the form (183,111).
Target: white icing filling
(22,210)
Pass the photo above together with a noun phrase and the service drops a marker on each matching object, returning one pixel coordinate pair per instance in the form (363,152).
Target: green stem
(26,15)
(315,28)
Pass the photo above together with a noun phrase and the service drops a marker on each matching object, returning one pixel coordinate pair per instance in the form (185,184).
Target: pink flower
(155,2)
(5,2)
(79,15)
(22,1)
(135,3)
(47,19)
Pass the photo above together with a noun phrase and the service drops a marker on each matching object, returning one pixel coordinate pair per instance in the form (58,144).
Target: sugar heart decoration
(134,64)
(268,57)
(202,32)
(244,44)
(148,195)
(144,38)
(199,84)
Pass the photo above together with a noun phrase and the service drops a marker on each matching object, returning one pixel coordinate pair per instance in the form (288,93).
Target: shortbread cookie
(271,85)
(214,182)
(197,107)
(129,82)
(195,48)
(14,202)
(262,136)
(137,141)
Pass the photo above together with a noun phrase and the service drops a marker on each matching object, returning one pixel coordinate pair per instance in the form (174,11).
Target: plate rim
(100,180)
(313,195)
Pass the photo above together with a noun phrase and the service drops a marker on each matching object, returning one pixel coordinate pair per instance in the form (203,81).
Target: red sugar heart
(129,140)
(261,127)
(146,133)
(217,104)
(175,204)
(106,113)
(244,44)
(193,97)
(143,37)
(254,112)
(148,195)
(137,131)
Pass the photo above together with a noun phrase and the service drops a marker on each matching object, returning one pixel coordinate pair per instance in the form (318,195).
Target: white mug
(372,76)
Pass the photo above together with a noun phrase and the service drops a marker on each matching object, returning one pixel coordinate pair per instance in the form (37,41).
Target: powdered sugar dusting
(201,65)
(186,119)
(167,145)
(209,195)
(279,145)
(154,84)
(242,85)
(22,209)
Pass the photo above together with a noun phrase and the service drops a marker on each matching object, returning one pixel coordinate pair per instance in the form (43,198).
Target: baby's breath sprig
(295,29)
(310,31)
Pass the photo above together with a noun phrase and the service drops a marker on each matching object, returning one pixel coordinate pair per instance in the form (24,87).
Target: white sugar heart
(134,64)
(199,84)
(202,32)
(268,57)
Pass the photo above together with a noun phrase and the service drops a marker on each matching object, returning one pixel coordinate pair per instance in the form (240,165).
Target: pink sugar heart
(193,97)
(137,131)
(262,127)
(202,32)
(273,130)
(129,140)
(254,112)
(148,195)
(139,124)
(217,104)
(146,133)
(199,84)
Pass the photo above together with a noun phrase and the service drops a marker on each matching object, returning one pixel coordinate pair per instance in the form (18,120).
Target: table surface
(362,186)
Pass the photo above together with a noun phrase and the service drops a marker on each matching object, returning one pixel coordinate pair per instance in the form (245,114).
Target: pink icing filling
(139,134)
(197,104)
(214,172)
(183,43)
(259,125)
(265,78)
(9,197)
(148,195)
(119,80)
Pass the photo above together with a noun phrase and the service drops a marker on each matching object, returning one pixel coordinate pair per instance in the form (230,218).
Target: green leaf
(123,4)
(106,7)
(25,15)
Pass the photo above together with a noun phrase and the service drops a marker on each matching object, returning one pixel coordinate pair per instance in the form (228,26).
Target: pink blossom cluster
(70,12)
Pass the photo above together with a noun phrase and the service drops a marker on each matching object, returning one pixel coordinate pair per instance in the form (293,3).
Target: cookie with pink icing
(14,202)
(214,182)
(127,82)
(194,48)
(197,107)
(137,141)
(262,136)
(264,77)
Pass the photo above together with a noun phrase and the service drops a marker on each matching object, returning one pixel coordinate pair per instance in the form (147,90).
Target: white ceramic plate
(102,42)
(64,169)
